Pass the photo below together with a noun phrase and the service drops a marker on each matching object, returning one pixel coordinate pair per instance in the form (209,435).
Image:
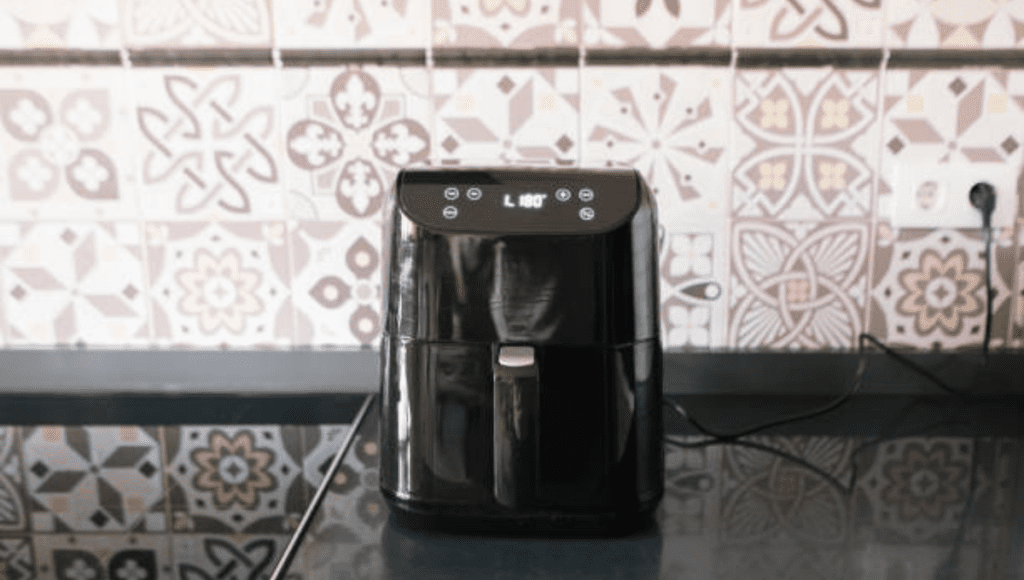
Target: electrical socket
(930,195)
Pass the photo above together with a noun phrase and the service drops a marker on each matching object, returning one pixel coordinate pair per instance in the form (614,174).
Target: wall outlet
(930,195)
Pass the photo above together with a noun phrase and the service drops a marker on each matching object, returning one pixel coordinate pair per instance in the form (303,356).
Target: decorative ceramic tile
(12,503)
(63,135)
(672,125)
(103,557)
(348,132)
(336,286)
(929,288)
(491,115)
(28,24)
(798,284)
(690,506)
(656,23)
(950,116)
(220,283)
(808,23)
(694,268)
(209,557)
(208,143)
(954,24)
(766,497)
(352,24)
(74,283)
(230,479)
(506,23)
(94,479)
(346,532)
(805,143)
(914,490)
(178,23)
(17,560)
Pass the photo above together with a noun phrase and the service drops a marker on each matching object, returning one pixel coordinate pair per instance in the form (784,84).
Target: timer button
(474,193)
(586,195)
(450,212)
(451,193)
(586,214)
(563,194)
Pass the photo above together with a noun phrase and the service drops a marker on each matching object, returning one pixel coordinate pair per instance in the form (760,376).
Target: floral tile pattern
(208,144)
(929,288)
(805,143)
(230,479)
(17,559)
(336,286)
(812,23)
(352,24)
(914,490)
(506,23)
(220,283)
(12,502)
(507,115)
(179,23)
(765,497)
(28,24)
(103,556)
(952,24)
(94,479)
(656,23)
(694,268)
(209,557)
(672,125)
(948,116)
(798,284)
(74,283)
(63,134)
(348,132)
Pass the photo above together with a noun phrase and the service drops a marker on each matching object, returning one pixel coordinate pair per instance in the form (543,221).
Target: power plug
(983,197)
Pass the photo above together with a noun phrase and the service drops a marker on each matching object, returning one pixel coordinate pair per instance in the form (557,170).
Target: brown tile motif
(62,132)
(208,143)
(805,144)
(336,285)
(831,23)
(60,24)
(505,116)
(953,24)
(354,24)
(347,135)
(929,288)
(177,23)
(230,479)
(765,497)
(656,23)
(94,479)
(17,561)
(669,123)
(797,284)
(73,283)
(12,504)
(211,557)
(220,283)
(914,490)
(103,557)
(693,273)
(506,23)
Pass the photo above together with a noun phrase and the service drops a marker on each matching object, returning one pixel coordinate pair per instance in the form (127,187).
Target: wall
(212,176)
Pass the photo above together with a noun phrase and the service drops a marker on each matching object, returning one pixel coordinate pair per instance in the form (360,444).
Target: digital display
(524,200)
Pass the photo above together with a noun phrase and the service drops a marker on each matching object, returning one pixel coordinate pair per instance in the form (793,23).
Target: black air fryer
(521,363)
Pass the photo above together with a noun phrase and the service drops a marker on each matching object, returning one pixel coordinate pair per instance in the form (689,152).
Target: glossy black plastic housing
(569,438)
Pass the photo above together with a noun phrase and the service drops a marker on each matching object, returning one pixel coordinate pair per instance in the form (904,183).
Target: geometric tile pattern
(210,557)
(809,23)
(17,561)
(181,24)
(967,25)
(352,24)
(657,24)
(94,479)
(60,24)
(12,502)
(103,556)
(693,275)
(506,23)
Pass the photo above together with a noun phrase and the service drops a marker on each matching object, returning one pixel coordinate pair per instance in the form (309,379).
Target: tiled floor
(216,501)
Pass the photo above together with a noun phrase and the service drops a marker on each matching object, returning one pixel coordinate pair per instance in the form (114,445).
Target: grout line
(726,294)
(876,186)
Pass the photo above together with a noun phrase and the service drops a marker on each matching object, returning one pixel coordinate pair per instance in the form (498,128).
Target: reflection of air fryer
(521,364)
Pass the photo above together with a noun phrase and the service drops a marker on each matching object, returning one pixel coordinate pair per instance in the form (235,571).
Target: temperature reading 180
(525,200)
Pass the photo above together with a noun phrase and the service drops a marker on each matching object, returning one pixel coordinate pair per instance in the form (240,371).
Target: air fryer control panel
(518,201)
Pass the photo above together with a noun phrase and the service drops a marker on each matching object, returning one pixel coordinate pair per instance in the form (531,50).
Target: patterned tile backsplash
(240,206)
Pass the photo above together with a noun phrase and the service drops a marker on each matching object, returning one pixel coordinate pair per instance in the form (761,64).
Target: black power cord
(983,197)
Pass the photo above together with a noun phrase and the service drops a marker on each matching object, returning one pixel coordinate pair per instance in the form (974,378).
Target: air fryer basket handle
(515,430)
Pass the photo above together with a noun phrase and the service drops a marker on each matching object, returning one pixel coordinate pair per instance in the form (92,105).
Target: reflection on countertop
(219,502)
